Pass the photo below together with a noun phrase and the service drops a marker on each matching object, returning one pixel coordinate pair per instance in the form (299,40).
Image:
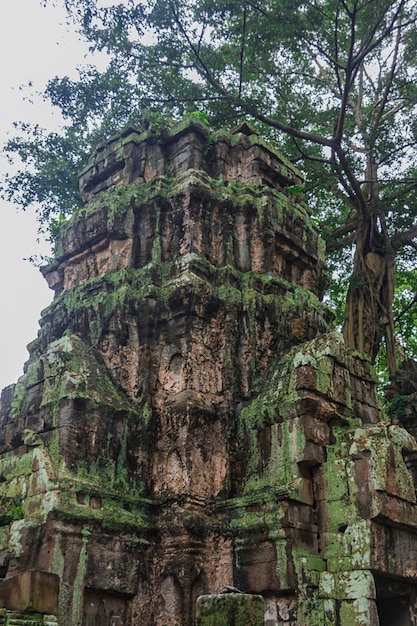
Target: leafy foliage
(332,82)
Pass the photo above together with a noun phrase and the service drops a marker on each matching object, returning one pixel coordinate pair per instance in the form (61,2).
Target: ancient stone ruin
(188,421)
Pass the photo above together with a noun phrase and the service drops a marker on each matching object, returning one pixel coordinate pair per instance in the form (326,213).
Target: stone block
(301,490)
(225,609)
(306,377)
(337,487)
(357,584)
(393,551)
(263,566)
(309,568)
(339,512)
(333,544)
(351,585)
(330,612)
(360,612)
(33,591)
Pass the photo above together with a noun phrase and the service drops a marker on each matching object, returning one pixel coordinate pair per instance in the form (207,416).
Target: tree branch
(293,132)
(405,239)
(388,30)
(341,231)
(258,8)
(407,308)
(380,116)
(242,52)
(200,65)
(339,244)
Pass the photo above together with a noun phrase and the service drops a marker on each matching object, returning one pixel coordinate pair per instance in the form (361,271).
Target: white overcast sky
(35,45)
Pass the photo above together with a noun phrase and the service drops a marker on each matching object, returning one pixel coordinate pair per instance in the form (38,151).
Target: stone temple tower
(187,419)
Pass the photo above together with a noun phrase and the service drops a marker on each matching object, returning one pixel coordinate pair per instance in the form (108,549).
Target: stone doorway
(104,609)
(396,603)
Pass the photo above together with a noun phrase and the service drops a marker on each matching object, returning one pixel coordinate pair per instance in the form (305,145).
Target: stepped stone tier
(188,421)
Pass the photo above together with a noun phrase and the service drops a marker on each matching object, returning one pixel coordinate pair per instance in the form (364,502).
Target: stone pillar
(230,609)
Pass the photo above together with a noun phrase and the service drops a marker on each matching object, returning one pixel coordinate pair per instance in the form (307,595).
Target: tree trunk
(368,311)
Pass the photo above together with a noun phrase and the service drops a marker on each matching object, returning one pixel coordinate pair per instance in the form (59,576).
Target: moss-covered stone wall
(188,420)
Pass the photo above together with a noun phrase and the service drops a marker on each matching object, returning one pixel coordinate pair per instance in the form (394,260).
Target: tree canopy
(333,83)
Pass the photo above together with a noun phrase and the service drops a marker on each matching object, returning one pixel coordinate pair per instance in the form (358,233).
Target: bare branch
(242,52)
(349,76)
(380,116)
(200,65)
(387,31)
